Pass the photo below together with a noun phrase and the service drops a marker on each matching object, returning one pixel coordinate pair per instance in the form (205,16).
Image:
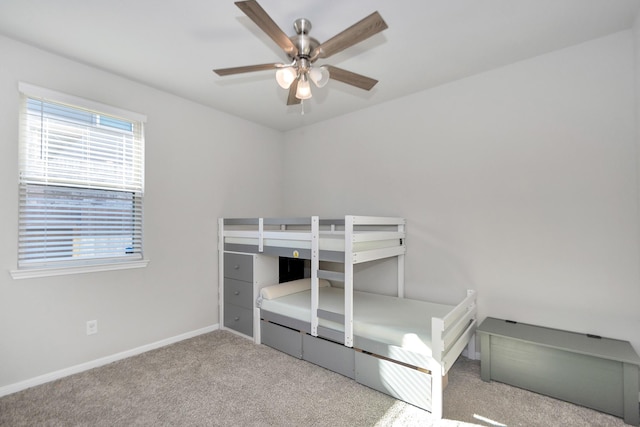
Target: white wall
(519,182)
(193,176)
(636,33)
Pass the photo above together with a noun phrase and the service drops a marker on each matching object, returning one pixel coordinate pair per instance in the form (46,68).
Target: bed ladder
(346,278)
(350,258)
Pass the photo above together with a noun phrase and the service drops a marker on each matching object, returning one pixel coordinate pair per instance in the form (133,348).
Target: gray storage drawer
(238,293)
(328,354)
(238,266)
(284,339)
(239,319)
(404,383)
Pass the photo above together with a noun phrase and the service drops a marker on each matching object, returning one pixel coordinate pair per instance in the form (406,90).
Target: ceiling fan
(304,51)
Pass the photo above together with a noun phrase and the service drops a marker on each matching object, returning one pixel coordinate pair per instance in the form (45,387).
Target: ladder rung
(331,275)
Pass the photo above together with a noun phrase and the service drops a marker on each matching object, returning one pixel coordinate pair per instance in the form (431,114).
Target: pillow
(286,288)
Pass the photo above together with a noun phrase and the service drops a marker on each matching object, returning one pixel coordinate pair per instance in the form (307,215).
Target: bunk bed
(399,346)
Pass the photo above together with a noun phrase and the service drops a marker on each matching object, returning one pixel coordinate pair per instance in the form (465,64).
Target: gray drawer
(328,354)
(238,293)
(399,381)
(238,266)
(284,339)
(239,319)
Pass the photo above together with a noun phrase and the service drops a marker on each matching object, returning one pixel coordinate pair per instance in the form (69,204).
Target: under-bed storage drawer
(284,339)
(404,383)
(328,354)
(318,351)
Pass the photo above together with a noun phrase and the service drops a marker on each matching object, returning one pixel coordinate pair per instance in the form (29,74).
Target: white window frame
(82,265)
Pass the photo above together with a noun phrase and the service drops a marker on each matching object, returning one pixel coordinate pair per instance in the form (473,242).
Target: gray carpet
(220,379)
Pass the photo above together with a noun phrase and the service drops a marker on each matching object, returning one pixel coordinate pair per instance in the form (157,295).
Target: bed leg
(257,339)
(471,348)
(437,385)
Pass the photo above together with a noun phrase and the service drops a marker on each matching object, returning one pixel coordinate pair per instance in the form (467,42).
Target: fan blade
(356,33)
(245,69)
(292,100)
(353,79)
(257,14)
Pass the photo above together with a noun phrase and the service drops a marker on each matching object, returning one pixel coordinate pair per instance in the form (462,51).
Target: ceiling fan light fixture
(286,76)
(304,89)
(304,50)
(319,76)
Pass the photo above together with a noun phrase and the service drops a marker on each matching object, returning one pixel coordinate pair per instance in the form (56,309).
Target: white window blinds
(81,182)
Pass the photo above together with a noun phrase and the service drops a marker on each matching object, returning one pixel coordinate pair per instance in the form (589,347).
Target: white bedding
(401,322)
(327,242)
(292,287)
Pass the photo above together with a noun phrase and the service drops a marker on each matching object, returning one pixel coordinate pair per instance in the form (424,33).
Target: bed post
(348,280)
(315,265)
(260,234)
(437,351)
(221,272)
(401,267)
(471,345)
(437,390)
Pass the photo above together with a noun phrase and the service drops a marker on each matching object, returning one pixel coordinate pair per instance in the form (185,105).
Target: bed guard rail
(450,334)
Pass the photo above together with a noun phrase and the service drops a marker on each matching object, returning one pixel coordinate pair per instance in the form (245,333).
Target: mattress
(327,242)
(400,322)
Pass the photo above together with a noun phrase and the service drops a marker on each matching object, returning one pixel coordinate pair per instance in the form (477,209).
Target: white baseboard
(42,379)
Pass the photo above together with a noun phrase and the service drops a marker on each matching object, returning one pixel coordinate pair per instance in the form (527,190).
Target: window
(81,182)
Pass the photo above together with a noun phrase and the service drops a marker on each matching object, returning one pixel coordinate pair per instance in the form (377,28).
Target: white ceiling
(174,44)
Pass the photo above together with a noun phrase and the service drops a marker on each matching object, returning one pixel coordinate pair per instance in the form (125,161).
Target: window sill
(46,272)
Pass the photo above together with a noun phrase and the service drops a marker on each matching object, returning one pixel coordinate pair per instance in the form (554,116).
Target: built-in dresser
(243,275)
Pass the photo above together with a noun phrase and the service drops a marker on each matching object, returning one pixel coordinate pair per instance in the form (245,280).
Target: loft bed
(401,347)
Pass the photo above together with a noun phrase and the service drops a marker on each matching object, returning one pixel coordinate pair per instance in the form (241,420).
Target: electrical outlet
(92,327)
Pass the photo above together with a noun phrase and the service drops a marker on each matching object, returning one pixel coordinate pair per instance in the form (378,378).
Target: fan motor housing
(305,45)
(302,40)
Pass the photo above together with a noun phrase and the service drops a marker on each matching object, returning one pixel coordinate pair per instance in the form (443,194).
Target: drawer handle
(236,293)
(236,319)
(236,267)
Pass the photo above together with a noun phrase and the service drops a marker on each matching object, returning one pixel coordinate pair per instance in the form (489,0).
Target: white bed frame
(302,238)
